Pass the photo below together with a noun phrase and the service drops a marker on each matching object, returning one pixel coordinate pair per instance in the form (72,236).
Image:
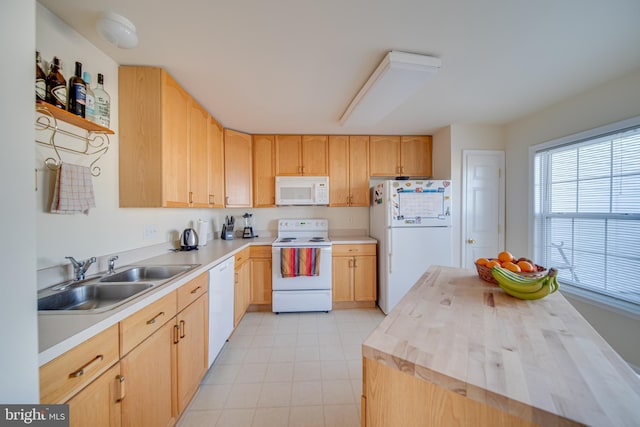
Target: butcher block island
(457,351)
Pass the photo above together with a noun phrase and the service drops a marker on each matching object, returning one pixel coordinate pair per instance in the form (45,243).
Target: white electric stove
(302,293)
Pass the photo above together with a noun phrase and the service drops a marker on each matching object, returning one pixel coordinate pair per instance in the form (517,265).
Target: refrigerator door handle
(390,240)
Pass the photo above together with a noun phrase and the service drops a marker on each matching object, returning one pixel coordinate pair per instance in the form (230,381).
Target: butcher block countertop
(537,360)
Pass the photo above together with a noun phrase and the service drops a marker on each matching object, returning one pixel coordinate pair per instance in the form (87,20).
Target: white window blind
(587,213)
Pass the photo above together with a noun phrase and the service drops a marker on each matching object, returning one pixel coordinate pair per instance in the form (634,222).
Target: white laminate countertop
(60,332)
(352,240)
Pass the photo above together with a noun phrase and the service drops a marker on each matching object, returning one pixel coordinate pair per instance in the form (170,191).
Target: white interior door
(483,204)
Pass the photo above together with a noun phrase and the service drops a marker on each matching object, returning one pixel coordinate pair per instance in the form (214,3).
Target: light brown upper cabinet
(302,155)
(162,143)
(400,156)
(216,163)
(237,169)
(264,171)
(198,156)
(348,170)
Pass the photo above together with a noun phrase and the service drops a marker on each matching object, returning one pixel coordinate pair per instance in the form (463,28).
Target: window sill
(602,301)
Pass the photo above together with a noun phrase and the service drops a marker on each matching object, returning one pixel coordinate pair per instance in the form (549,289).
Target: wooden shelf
(65,116)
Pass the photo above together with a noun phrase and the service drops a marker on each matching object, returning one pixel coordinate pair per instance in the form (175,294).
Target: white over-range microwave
(302,190)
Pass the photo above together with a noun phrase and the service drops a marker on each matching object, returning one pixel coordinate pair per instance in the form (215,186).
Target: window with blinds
(587,213)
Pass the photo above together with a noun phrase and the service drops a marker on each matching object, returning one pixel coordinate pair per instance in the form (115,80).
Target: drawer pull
(152,321)
(194,291)
(182,329)
(80,372)
(121,393)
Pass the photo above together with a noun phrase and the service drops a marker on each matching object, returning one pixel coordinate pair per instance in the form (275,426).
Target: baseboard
(343,305)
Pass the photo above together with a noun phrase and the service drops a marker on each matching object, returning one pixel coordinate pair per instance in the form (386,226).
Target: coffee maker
(247,233)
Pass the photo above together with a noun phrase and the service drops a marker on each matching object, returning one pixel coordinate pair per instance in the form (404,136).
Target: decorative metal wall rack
(94,143)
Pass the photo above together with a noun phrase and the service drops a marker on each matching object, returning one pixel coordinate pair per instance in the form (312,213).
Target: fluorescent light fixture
(397,77)
(117,30)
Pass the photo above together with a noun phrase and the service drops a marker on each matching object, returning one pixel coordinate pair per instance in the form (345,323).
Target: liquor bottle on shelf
(102,103)
(77,92)
(89,106)
(56,85)
(41,80)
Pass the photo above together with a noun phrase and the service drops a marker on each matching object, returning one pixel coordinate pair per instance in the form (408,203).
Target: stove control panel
(303,225)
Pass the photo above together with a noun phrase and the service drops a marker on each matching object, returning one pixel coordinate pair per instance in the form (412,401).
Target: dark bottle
(77,92)
(41,80)
(56,85)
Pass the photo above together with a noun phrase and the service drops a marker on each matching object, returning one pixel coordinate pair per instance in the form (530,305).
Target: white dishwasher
(221,282)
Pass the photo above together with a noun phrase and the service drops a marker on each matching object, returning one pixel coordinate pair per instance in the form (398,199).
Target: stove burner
(317,239)
(287,239)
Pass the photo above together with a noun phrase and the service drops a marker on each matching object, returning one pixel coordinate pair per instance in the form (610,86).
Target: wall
(459,138)
(614,101)
(107,229)
(18,359)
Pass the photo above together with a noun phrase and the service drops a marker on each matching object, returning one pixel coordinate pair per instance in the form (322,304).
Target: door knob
(471,241)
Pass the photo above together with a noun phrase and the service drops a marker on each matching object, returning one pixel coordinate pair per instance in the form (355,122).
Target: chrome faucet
(112,264)
(80,267)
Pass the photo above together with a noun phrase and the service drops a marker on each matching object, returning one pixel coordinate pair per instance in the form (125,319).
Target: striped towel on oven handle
(295,262)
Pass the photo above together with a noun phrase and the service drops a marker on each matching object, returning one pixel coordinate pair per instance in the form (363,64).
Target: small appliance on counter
(188,240)
(227,228)
(247,233)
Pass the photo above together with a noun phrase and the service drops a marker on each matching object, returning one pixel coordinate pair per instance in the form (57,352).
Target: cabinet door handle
(121,390)
(195,291)
(176,334)
(226,200)
(190,196)
(212,199)
(182,329)
(152,321)
(355,263)
(471,241)
(351,263)
(80,372)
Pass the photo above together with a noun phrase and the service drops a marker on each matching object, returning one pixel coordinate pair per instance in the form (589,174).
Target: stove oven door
(301,283)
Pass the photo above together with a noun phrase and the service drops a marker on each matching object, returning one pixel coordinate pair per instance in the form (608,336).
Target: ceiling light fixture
(117,30)
(397,77)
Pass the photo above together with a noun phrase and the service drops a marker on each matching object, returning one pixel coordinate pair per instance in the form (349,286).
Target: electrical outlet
(150,231)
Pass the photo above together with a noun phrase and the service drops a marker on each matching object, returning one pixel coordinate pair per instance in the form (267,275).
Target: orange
(492,263)
(511,266)
(526,267)
(505,256)
(482,261)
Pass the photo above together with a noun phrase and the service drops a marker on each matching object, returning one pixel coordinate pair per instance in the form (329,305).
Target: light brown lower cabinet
(261,275)
(164,371)
(150,374)
(242,288)
(99,404)
(192,325)
(140,372)
(354,275)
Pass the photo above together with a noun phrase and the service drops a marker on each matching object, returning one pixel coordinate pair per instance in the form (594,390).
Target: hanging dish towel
(296,262)
(74,190)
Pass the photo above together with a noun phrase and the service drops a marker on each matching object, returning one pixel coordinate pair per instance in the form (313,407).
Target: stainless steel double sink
(101,293)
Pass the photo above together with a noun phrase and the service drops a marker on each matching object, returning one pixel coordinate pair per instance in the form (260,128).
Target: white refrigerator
(411,219)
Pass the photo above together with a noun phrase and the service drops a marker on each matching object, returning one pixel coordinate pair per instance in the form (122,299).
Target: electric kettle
(188,240)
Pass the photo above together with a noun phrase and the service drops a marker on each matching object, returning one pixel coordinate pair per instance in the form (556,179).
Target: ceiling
(293,66)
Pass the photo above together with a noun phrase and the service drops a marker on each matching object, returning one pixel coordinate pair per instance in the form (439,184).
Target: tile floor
(291,369)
